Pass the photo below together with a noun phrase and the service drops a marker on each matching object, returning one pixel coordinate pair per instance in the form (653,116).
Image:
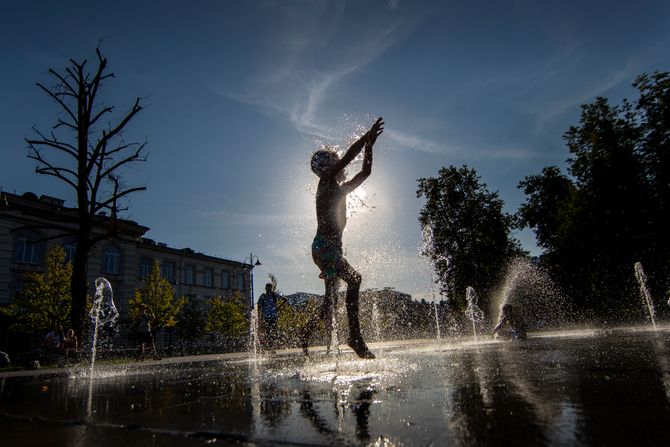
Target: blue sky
(239,94)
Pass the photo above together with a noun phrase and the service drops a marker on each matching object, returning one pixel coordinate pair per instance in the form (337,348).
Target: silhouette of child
(515,321)
(331,214)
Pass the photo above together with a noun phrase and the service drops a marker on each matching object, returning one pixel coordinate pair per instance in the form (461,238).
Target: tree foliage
(467,232)
(227,316)
(159,295)
(191,321)
(87,152)
(46,299)
(612,209)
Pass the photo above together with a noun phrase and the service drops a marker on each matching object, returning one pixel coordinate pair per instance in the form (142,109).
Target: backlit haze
(239,94)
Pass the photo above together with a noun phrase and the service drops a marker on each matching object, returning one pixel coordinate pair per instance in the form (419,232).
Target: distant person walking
(144,321)
(70,344)
(52,341)
(331,216)
(268,305)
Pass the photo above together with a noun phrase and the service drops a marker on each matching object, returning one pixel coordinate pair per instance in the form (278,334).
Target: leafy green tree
(159,295)
(291,320)
(227,316)
(547,205)
(612,211)
(191,321)
(653,109)
(46,299)
(469,235)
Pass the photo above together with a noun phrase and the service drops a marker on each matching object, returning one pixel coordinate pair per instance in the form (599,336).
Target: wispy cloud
(558,107)
(299,82)
(412,142)
(258,219)
(417,143)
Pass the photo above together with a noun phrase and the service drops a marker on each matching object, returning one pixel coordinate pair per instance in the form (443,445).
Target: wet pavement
(583,387)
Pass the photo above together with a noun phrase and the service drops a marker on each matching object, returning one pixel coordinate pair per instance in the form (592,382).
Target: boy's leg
(329,306)
(353,279)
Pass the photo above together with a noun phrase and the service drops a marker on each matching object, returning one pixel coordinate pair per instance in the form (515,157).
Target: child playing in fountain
(331,215)
(515,322)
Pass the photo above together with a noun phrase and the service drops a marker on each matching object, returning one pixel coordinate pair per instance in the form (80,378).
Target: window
(240,281)
(111,259)
(70,251)
(207,279)
(168,270)
(27,248)
(189,274)
(145,266)
(225,280)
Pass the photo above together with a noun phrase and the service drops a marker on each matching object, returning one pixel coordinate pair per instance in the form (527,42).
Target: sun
(356,201)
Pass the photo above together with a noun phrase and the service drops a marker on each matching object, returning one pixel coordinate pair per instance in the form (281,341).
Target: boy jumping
(331,215)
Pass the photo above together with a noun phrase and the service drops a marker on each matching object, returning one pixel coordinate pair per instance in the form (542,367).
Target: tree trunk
(79,285)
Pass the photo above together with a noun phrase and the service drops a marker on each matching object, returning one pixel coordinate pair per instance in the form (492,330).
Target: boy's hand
(376,130)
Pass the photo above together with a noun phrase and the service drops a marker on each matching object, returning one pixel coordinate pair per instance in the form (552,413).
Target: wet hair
(322,160)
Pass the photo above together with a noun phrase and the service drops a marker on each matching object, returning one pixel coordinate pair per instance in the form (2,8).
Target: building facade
(30,225)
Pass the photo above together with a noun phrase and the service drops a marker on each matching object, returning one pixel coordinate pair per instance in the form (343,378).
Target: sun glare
(356,201)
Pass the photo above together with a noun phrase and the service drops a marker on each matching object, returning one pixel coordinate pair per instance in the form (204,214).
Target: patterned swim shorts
(326,253)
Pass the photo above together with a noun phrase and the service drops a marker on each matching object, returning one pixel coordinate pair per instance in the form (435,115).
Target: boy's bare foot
(360,348)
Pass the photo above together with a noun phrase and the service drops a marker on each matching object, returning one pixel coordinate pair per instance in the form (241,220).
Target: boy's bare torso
(331,209)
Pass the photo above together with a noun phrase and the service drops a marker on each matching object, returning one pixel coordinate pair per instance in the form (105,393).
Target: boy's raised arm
(371,135)
(359,178)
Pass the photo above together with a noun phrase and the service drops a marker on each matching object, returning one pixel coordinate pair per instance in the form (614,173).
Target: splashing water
(437,321)
(375,321)
(644,291)
(103,314)
(473,312)
(334,342)
(254,341)
(530,289)
(433,258)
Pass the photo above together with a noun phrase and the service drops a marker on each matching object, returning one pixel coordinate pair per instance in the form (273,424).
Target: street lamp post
(251,258)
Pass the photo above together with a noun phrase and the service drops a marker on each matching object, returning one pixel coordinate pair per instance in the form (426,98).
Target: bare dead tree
(88,156)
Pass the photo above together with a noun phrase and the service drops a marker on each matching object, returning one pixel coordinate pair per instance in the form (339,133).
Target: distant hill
(299,299)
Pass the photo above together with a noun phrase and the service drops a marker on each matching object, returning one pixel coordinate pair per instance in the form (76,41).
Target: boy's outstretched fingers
(376,129)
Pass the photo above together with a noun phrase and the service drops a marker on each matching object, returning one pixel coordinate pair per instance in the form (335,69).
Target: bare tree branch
(59,101)
(107,135)
(64,123)
(45,172)
(101,113)
(63,81)
(96,158)
(134,157)
(61,146)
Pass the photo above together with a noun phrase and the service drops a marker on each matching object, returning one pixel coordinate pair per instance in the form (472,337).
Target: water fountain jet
(473,312)
(530,289)
(644,291)
(437,320)
(103,313)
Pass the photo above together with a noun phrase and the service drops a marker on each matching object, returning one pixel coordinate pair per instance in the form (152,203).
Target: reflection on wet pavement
(570,388)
